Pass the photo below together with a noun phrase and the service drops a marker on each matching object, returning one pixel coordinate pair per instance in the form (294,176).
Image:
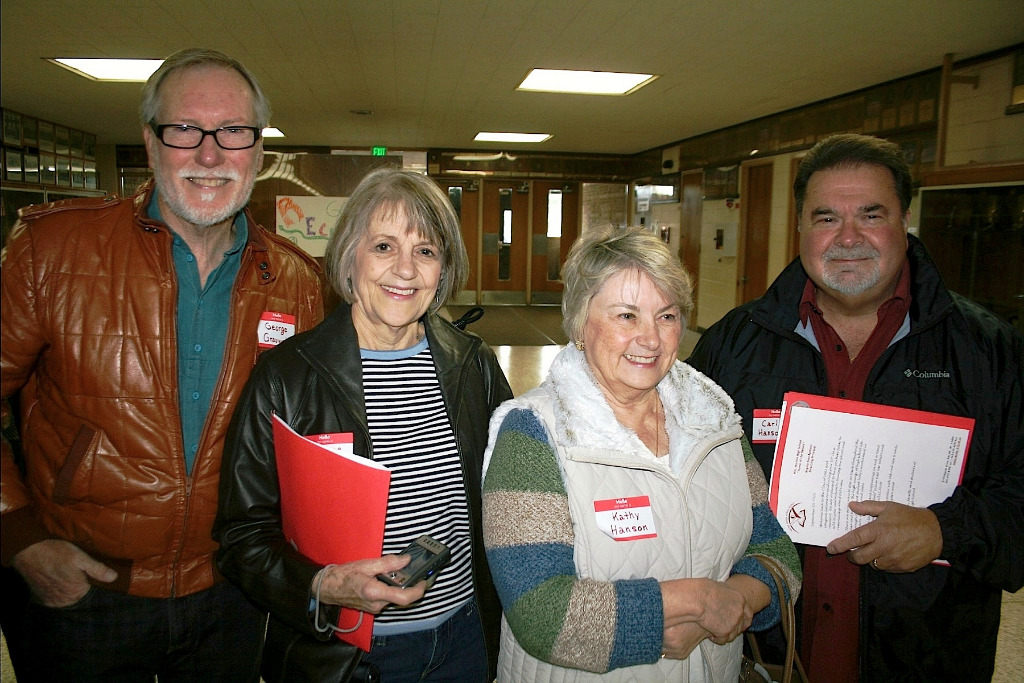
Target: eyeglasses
(180,136)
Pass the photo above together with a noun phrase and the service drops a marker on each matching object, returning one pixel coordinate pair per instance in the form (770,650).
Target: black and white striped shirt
(413,437)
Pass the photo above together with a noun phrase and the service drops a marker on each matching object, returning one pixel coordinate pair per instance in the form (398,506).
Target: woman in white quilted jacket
(623,508)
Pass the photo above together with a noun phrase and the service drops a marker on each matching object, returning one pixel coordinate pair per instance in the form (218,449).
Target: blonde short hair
(601,253)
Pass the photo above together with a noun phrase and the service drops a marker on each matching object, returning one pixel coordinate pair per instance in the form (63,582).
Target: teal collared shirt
(202,322)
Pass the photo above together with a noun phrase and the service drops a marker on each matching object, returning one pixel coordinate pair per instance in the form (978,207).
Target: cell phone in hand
(428,557)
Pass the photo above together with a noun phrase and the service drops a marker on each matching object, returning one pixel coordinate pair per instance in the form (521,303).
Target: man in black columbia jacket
(863,314)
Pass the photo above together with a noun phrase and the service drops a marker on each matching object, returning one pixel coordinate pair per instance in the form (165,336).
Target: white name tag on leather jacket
(274,328)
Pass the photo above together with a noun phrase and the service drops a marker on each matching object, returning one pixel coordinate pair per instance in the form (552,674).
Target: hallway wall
(980,131)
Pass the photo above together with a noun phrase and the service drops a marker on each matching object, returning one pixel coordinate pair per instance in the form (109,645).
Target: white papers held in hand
(832,451)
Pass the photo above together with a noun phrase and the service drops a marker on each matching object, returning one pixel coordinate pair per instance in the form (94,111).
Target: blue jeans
(215,635)
(454,652)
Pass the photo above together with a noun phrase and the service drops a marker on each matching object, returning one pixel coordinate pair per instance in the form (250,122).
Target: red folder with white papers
(832,451)
(333,506)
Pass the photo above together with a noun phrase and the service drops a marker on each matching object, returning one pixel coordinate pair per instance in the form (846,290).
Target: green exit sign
(379,151)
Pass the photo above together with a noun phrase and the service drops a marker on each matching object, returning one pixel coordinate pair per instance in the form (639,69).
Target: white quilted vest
(701,508)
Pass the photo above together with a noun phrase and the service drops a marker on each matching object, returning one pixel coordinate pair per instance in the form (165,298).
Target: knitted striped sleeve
(767,538)
(555,616)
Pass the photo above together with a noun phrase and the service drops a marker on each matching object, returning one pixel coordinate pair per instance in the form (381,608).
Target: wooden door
(555,226)
(792,234)
(505,223)
(690,213)
(465,199)
(755,223)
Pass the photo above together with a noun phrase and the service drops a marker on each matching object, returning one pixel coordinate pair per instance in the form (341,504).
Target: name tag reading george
(626,519)
(274,328)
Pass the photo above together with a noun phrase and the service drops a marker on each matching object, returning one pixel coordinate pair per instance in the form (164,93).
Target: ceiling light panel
(511,137)
(584,82)
(118,70)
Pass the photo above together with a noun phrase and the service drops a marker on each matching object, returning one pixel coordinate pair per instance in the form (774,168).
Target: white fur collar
(696,409)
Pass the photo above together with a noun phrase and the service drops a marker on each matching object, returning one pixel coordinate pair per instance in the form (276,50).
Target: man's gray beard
(201,219)
(841,282)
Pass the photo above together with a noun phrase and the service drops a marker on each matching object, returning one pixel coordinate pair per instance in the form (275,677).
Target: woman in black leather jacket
(395,258)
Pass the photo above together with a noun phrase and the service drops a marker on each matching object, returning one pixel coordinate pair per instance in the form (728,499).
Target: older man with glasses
(128,329)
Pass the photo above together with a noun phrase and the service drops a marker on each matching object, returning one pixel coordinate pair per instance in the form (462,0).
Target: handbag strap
(788,621)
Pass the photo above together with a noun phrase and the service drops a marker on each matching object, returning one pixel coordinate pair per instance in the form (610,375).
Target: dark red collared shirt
(831,587)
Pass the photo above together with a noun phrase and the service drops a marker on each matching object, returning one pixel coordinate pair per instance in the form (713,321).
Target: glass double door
(518,234)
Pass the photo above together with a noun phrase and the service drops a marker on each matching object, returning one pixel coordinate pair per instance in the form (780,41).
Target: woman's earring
(349,281)
(580,345)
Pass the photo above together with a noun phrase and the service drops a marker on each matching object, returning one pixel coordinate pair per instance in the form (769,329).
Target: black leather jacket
(313,381)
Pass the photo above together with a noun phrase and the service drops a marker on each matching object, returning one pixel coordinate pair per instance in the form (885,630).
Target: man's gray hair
(194,57)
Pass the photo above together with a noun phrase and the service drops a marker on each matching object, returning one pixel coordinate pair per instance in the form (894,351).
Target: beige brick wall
(602,204)
(979,129)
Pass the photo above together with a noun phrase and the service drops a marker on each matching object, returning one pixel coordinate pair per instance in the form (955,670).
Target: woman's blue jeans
(453,652)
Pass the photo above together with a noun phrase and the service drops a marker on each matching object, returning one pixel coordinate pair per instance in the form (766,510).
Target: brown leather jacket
(89,298)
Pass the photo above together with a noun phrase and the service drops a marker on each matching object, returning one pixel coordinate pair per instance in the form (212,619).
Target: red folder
(843,405)
(332,507)
(878,470)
